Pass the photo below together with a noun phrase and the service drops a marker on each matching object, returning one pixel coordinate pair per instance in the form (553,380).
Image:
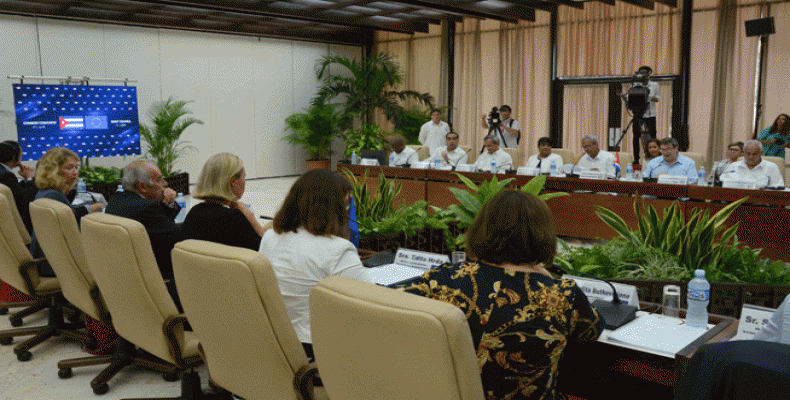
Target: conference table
(764,220)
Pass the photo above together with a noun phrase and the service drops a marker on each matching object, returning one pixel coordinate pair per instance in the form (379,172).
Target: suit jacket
(158,220)
(23,192)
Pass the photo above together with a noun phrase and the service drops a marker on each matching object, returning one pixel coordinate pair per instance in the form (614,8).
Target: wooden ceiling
(339,21)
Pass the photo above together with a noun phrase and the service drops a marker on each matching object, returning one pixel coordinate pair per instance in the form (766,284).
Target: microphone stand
(615,313)
(459,158)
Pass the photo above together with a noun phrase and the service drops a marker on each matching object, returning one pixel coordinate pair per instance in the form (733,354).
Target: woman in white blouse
(545,157)
(309,242)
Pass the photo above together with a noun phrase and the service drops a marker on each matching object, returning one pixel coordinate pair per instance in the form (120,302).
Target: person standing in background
(432,133)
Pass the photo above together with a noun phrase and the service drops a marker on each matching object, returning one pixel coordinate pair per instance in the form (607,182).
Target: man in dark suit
(147,199)
(24,191)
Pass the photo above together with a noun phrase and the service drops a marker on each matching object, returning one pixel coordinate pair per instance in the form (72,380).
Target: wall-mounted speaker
(759,27)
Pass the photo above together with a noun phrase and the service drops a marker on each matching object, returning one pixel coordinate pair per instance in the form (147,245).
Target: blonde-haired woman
(56,175)
(221,217)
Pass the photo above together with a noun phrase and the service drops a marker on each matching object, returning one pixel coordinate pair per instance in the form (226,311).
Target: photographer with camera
(776,137)
(499,123)
(641,100)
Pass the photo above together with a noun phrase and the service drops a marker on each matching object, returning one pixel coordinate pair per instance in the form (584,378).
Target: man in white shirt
(493,154)
(595,159)
(545,157)
(432,133)
(450,155)
(507,131)
(765,173)
(403,155)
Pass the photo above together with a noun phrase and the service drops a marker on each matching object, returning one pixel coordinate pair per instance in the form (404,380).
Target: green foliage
(473,199)
(368,136)
(315,129)
(365,86)
(94,175)
(169,120)
(372,206)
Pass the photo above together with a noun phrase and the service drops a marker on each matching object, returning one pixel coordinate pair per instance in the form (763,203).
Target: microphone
(615,313)
(459,158)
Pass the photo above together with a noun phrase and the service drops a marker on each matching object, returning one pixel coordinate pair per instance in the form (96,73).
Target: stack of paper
(657,333)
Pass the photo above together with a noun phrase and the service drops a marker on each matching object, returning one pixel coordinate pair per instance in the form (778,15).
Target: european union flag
(95,122)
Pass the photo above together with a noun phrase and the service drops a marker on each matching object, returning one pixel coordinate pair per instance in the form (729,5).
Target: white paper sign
(419,259)
(740,183)
(531,171)
(595,289)
(592,175)
(753,318)
(673,179)
(419,165)
(465,168)
(369,161)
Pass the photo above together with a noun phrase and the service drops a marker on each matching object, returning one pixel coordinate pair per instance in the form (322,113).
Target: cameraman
(649,116)
(507,130)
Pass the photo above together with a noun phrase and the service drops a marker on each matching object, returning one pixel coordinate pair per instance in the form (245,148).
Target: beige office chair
(698,158)
(232,300)
(422,151)
(374,342)
(120,258)
(59,236)
(471,156)
(625,159)
(15,214)
(19,269)
(515,154)
(567,155)
(779,161)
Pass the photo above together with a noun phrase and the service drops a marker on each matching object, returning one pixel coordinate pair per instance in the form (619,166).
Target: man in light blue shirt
(671,162)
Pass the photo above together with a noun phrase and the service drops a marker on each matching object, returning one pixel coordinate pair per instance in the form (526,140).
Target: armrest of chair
(303,380)
(172,327)
(27,270)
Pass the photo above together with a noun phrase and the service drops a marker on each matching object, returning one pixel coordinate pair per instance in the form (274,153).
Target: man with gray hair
(595,159)
(764,173)
(493,158)
(147,200)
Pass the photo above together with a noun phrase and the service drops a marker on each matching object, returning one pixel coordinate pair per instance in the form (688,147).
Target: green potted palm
(314,130)
(169,118)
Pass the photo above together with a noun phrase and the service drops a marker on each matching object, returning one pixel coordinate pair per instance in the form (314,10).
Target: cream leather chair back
(625,159)
(567,155)
(698,158)
(233,302)
(59,236)
(120,258)
(780,162)
(471,155)
(422,151)
(371,342)
(15,214)
(14,253)
(515,154)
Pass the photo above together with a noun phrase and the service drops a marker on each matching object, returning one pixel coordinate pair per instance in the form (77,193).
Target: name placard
(531,171)
(753,319)
(465,168)
(740,183)
(600,290)
(588,174)
(419,165)
(419,259)
(369,161)
(673,179)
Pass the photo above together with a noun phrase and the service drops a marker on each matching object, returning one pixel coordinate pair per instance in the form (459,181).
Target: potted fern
(169,118)
(314,130)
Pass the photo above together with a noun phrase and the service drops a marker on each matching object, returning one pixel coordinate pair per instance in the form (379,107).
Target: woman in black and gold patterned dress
(520,317)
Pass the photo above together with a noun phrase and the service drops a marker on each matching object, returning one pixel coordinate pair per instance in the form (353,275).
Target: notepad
(657,333)
(389,274)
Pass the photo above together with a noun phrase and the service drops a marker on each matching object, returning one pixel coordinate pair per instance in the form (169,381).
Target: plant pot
(318,164)
(178,182)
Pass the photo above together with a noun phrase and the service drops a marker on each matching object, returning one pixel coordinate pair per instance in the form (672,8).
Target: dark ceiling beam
(671,3)
(647,4)
(310,16)
(538,4)
(512,14)
(609,2)
(572,3)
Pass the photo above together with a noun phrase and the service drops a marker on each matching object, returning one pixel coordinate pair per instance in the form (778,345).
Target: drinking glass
(459,257)
(671,304)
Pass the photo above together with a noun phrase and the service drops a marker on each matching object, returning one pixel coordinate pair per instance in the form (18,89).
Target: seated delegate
(595,159)
(56,177)
(671,162)
(545,157)
(10,156)
(450,155)
(734,151)
(520,317)
(401,155)
(493,155)
(221,217)
(309,242)
(764,173)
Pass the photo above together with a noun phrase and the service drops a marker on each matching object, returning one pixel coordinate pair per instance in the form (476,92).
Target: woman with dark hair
(776,137)
(309,242)
(521,318)
(652,150)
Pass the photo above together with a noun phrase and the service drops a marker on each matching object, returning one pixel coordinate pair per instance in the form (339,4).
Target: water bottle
(354,158)
(82,188)
(183,204)
(629,172)
(437,163)
(392,159)
(698,299)
(702,180)
(493,166)
(119,189)
(553,168)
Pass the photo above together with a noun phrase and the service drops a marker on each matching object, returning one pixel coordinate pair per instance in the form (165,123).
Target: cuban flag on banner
(71,122)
